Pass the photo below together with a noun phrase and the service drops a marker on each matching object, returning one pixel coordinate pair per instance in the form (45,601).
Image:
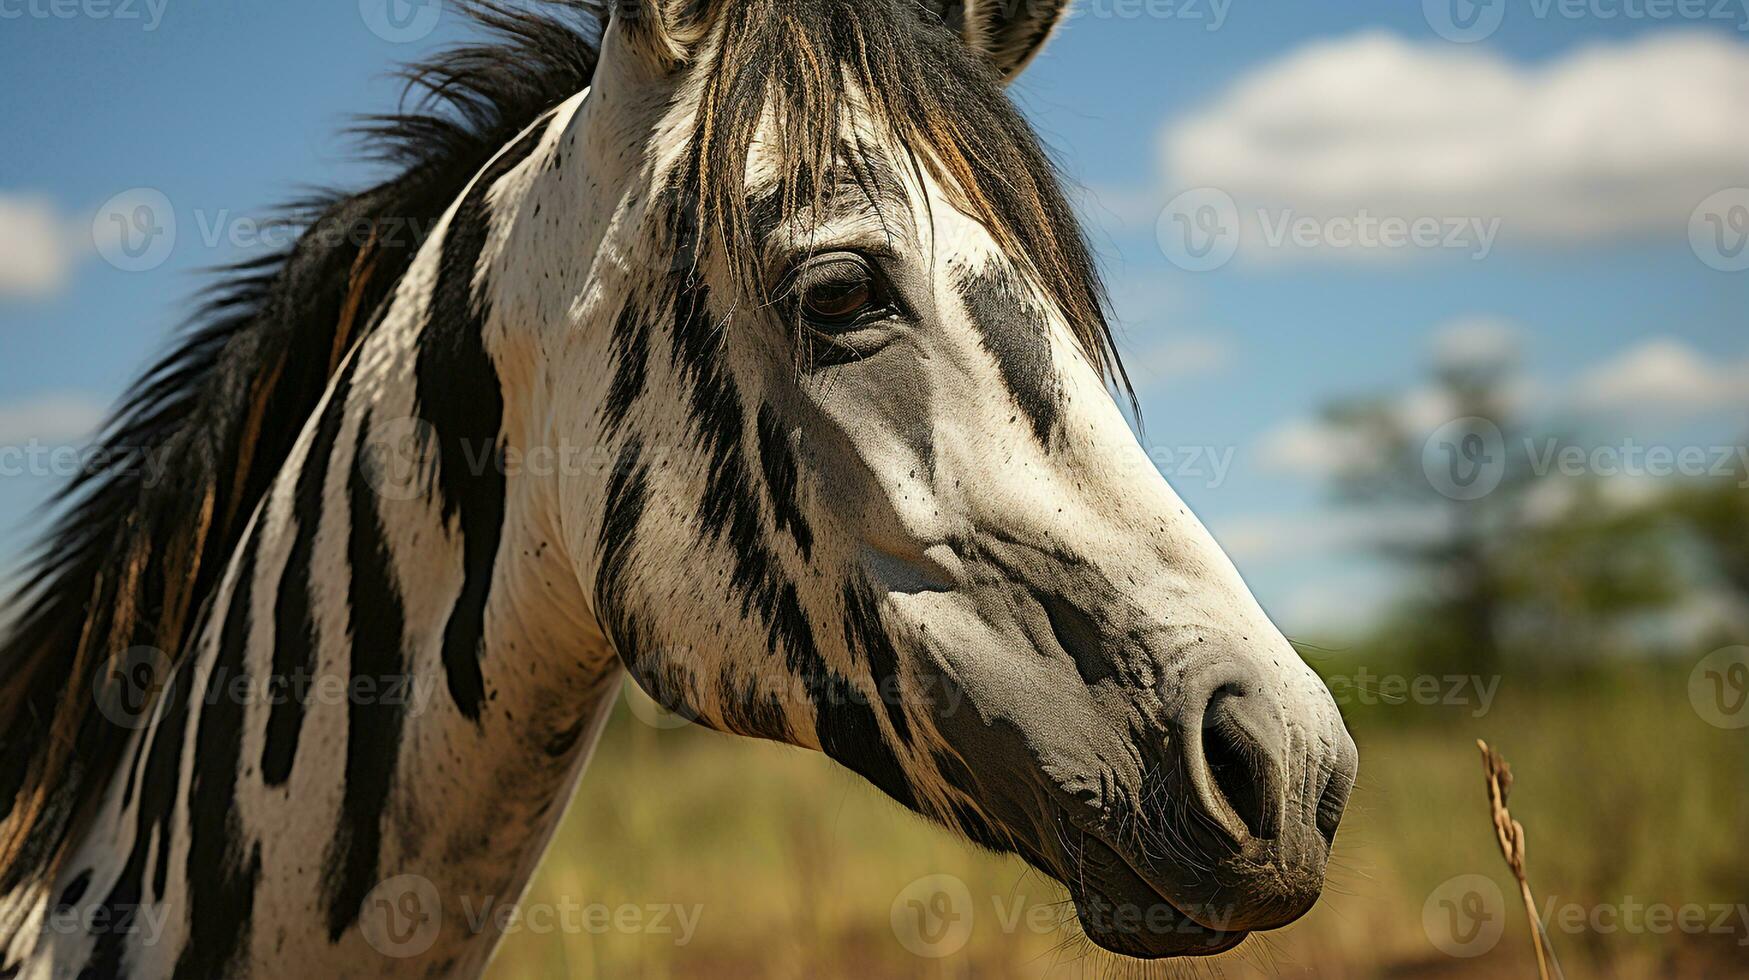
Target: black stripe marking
(160,785)
(563,741)
(296,638)
(790,631)
(1018,337)
(374,724)
(965,816)
(849,733)
(780,481)
(221,872)
(461,395)
(754,714)
(631,356)
(165,761)
(628,494)
(716,412)
(75,889)
(864,630)
(844,723)
(729,514)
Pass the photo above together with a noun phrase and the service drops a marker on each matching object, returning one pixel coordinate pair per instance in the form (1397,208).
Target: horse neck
(509,676)
(401,674)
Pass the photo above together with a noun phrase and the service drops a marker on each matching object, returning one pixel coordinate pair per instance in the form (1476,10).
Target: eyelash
(816,273)
(833,342)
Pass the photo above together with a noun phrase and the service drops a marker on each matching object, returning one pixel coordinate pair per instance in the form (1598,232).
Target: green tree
(1455,612)
(1514,562)
(1715,511)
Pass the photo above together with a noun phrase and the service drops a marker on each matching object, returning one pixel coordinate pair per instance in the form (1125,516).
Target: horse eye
(834,300)
(838,292)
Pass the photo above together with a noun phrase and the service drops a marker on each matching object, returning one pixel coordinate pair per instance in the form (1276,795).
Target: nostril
(1331,802)
(1237,764)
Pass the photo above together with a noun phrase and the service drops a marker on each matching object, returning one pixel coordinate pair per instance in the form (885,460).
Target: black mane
(129,561)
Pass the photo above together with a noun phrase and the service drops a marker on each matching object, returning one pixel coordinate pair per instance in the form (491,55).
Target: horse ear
(1008,33)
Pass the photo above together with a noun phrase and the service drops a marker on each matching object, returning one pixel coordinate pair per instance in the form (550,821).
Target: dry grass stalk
(1510,835)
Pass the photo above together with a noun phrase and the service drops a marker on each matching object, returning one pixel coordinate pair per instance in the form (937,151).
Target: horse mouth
(1122,913)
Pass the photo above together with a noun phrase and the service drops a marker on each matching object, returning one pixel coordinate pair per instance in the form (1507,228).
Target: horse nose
(1267,784)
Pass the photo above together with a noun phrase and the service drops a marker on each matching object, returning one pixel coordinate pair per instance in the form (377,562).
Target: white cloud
(1606,139)
(1665,376)
(1312,447)
(1476,340)
(1663,380)
(59,418)
(39,247)
(1309,447)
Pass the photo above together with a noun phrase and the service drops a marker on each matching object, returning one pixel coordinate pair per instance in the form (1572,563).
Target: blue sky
(1585,139)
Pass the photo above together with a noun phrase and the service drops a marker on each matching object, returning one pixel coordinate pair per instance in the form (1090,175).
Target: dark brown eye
(836,300)
(838,293)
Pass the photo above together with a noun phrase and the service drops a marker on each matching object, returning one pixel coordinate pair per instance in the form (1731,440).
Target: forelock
(827,86)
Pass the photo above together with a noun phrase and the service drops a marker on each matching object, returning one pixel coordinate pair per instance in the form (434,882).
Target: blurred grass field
(1628,797)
